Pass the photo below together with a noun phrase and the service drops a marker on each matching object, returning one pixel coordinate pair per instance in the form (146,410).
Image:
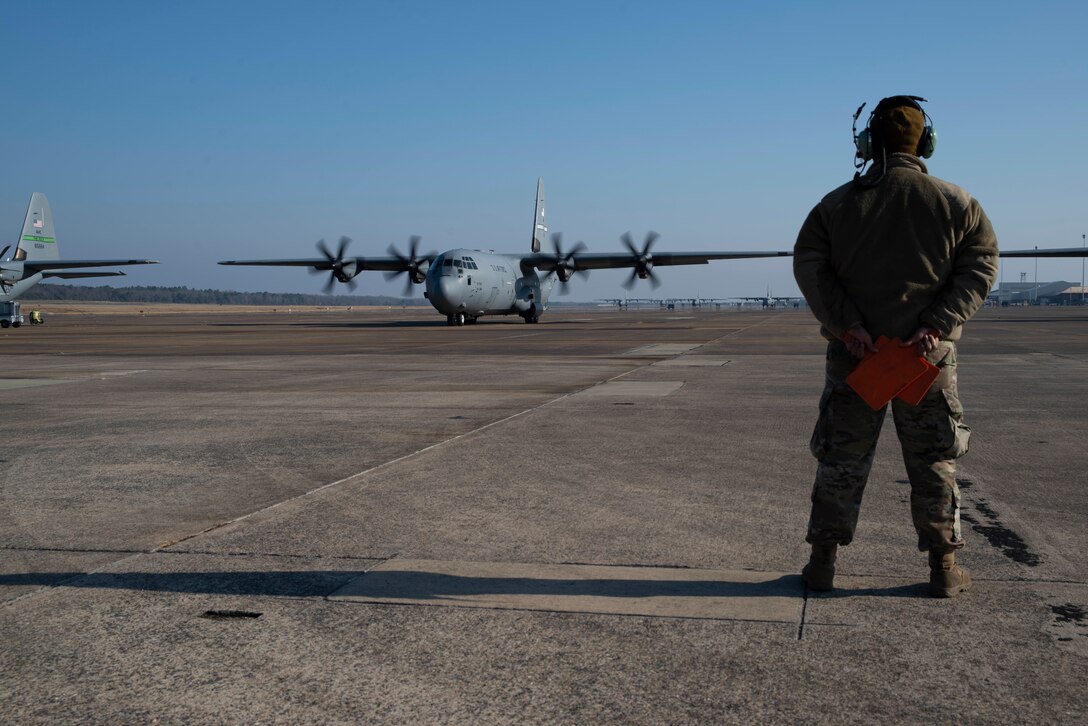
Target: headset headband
(897,101)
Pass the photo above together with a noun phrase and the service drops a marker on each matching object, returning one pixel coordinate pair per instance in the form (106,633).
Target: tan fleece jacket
(909,251)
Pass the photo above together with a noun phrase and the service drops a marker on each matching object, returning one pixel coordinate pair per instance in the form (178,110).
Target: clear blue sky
(199,131)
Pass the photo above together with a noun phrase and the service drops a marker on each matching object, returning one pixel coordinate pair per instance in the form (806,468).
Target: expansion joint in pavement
(73,550)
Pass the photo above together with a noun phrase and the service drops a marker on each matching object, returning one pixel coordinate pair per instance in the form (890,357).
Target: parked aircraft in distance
(465,284)
(772,301)
(36,257)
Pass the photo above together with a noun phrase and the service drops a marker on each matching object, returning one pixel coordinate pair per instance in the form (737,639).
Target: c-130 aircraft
(36,257)
(465,284)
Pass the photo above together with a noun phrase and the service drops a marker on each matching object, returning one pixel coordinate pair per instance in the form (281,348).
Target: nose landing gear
(458,319)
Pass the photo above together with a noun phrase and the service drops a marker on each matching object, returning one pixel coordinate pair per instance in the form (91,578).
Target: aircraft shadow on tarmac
(314,583)
(393,324)
(382,324)
(425,586)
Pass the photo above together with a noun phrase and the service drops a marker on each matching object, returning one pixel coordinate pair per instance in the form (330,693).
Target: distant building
(1037,293)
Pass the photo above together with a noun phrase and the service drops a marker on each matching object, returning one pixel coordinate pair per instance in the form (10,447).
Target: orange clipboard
(917,389)
(892,371)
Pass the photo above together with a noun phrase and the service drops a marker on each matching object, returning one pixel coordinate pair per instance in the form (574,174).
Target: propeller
(338,268)
(415,267)
(566,266)
(4,251)
(643,261)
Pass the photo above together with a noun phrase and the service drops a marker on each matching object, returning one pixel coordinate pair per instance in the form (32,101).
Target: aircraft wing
(386,264)
(65,275)
(43,265)
(609,260)
(1057,252)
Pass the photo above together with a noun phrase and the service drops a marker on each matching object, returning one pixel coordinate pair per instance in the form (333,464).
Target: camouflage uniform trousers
(931,434)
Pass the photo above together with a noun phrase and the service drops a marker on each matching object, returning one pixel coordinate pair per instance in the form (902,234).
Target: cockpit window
(447,263)
(457,263)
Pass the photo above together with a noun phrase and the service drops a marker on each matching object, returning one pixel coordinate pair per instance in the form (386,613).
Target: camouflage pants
(931,434)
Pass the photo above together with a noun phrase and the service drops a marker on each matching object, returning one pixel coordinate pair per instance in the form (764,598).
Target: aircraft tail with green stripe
(37,258)
(38,240)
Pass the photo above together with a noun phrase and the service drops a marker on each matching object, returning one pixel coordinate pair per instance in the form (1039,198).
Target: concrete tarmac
(370,516)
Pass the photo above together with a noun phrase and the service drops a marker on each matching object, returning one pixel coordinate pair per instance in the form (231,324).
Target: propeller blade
(344,241)
(651,237)
(330,284)
(324,250)
(411,262)
(643,261)
(391,275)
(352,284)
(4,251)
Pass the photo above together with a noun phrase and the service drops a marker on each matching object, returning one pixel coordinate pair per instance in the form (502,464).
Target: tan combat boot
(819,573)
(946,578)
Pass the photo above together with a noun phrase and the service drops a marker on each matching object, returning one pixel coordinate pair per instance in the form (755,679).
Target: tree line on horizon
(150,294)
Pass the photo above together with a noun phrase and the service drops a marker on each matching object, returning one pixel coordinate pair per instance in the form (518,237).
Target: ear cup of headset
(928,143)
(864,144)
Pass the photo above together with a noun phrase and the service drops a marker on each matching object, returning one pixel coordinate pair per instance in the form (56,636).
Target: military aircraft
(771,301)
(36,257)
(466,284)
(622,303)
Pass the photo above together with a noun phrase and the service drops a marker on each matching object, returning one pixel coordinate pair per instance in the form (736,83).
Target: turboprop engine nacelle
(11,272)
(419,272)
(346,271)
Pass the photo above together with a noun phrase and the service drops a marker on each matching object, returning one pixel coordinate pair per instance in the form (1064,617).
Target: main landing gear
(460,319)
(530,316)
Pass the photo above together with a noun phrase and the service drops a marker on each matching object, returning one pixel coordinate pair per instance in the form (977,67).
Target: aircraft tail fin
(38,240)
(540,228)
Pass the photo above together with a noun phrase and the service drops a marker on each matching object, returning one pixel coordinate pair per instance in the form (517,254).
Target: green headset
(868,141)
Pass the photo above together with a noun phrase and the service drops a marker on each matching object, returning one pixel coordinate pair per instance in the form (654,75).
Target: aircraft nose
(443,294)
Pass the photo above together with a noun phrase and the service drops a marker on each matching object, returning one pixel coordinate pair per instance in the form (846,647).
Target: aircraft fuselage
(472,283)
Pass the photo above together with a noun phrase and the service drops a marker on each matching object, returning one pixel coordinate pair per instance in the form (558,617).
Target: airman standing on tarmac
(900,253)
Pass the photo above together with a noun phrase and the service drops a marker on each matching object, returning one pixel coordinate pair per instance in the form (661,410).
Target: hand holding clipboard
(893,371)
